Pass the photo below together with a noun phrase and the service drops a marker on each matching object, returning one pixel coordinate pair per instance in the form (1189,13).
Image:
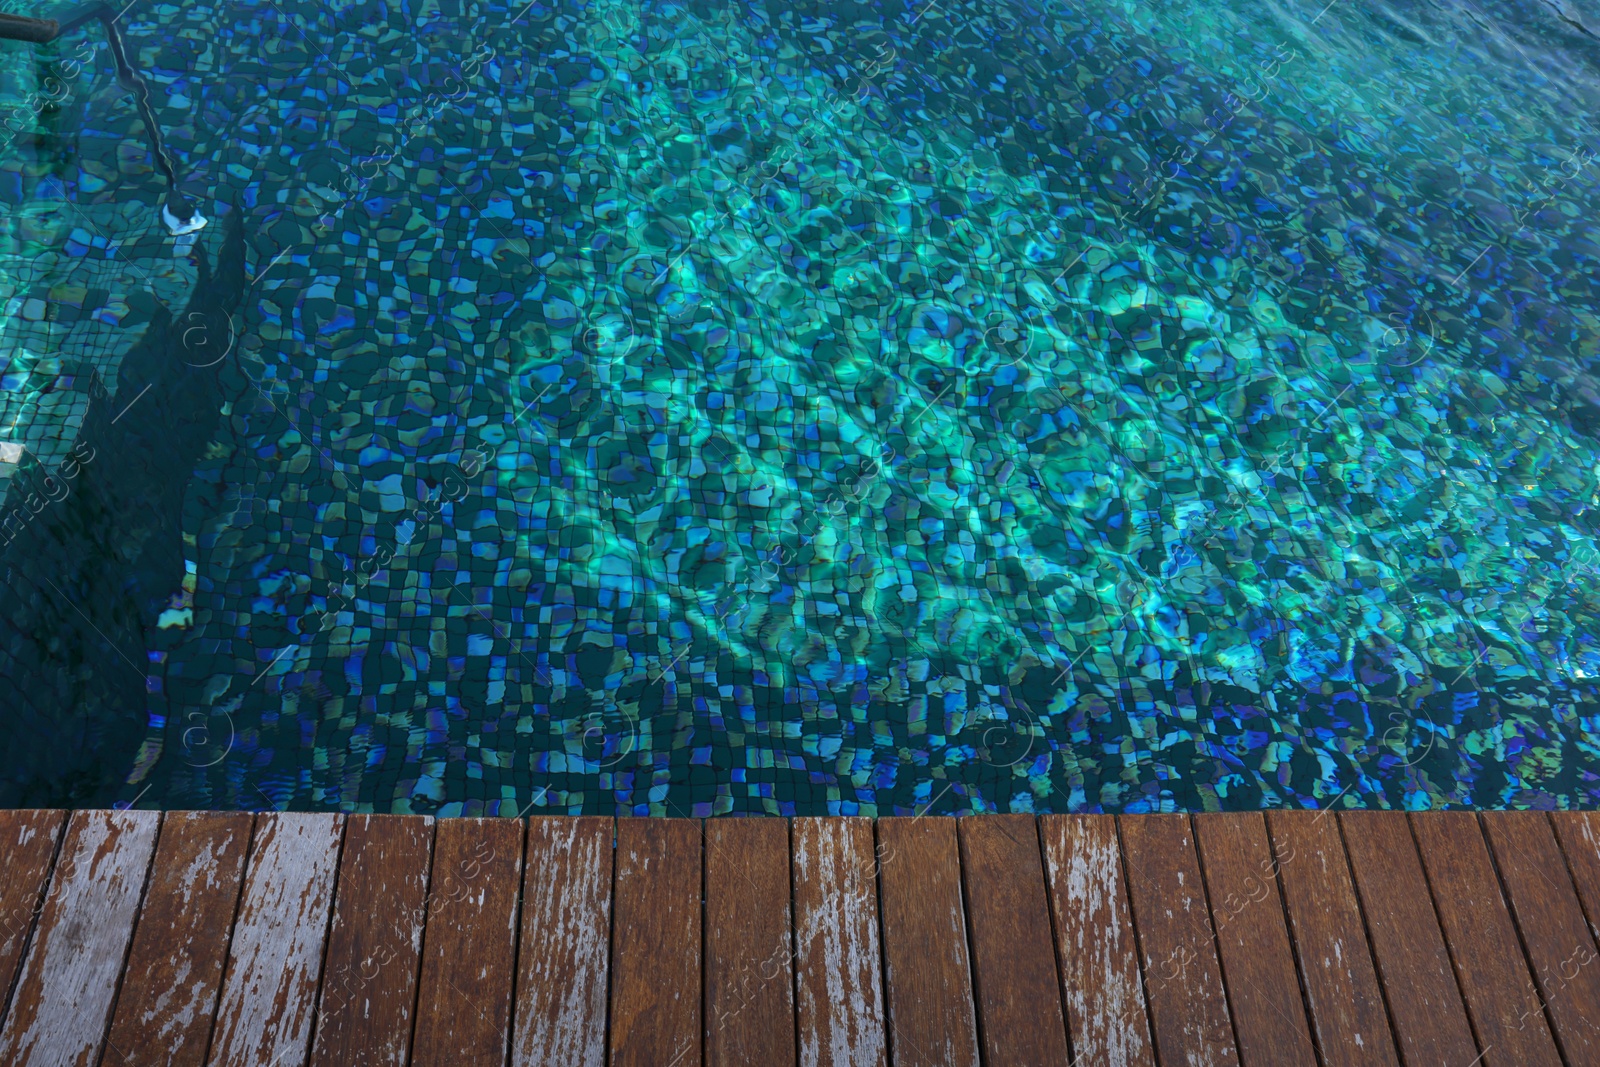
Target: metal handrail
(178,211)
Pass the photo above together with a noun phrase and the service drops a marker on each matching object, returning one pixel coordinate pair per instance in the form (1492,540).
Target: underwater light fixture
(177,211)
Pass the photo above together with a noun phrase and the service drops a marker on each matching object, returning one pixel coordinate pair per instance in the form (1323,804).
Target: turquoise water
(873,408)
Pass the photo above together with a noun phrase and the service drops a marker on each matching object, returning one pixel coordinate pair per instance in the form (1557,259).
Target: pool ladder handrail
(178,211)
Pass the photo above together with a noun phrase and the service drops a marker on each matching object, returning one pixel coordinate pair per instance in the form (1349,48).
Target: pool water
(847,408)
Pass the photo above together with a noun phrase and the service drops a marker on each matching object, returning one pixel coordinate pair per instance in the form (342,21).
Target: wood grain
(1095,941)
(655,944)
(1341,984)
(566,936)
(469,946)
(1559,944)
(838,986)
(1579,835)
(927,976)
(749,964)
(1188,1008)
(174,970)
(1430,1020)
(1013,951)
(62,1005)
(264,1015)
(369,971)
(27,852)
(1269,1018)
(1490,967)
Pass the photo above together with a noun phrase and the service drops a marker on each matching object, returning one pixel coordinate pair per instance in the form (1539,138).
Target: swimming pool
(856,408)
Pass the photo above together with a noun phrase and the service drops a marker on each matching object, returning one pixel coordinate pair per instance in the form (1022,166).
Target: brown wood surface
(1013,951)
(1188,1007)
(275,957)
(927,976)
(369,971)
(1490,967)
(566,935)
(1258,966)
(1430,1020)
(174,970)
(838,984)
(27,852)
(1341,984)
(469,944)
(655,944)
(1560,946)
(62,1005)
(1095,943)
(749,962)
(1579,835)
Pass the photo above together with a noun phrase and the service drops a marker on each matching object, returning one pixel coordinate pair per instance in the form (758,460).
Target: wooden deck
(135,938)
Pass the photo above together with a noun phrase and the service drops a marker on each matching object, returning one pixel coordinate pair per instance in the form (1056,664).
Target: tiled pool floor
(865,408)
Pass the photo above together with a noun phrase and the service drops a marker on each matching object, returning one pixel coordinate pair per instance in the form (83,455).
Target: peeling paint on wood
(62,1006)
(27,849)
(1095,941)
(174,970)
(566,930)
(839,1002)
(369,980)
(264,1017)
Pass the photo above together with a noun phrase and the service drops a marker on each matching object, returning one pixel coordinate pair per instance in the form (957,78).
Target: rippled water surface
(874,408)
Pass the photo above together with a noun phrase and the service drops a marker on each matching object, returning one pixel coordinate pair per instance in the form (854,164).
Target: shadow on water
(95,548)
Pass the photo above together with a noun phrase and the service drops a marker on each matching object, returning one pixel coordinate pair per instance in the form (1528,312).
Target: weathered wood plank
(27,851)
(1013,955)
(1095,942)
(62,1005)
(1579,835)
(927,976)
(469,945)
(749,965)
(1341,984)
(1489,963)
(1430,1020)
(1269,1018)
(566,936)
(174,972)
(655,944)
(369,971)
(839,993)
(1188,1009)
(1559,943)
(264,1015)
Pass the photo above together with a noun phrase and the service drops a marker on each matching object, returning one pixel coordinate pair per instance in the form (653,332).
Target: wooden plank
(264,1015)
(1341,984)
(1430,1020)
(1269,1019)
(927,977)
(1095,941)
(1013,952)
(469,946)
(1559,944)
(369,971)
(174,971)
(655,944)
(27,852)
(566,935)
(1489,963)
(1579,835)
(749,964)
(62,1005)
(838,992)
(1188,1009)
